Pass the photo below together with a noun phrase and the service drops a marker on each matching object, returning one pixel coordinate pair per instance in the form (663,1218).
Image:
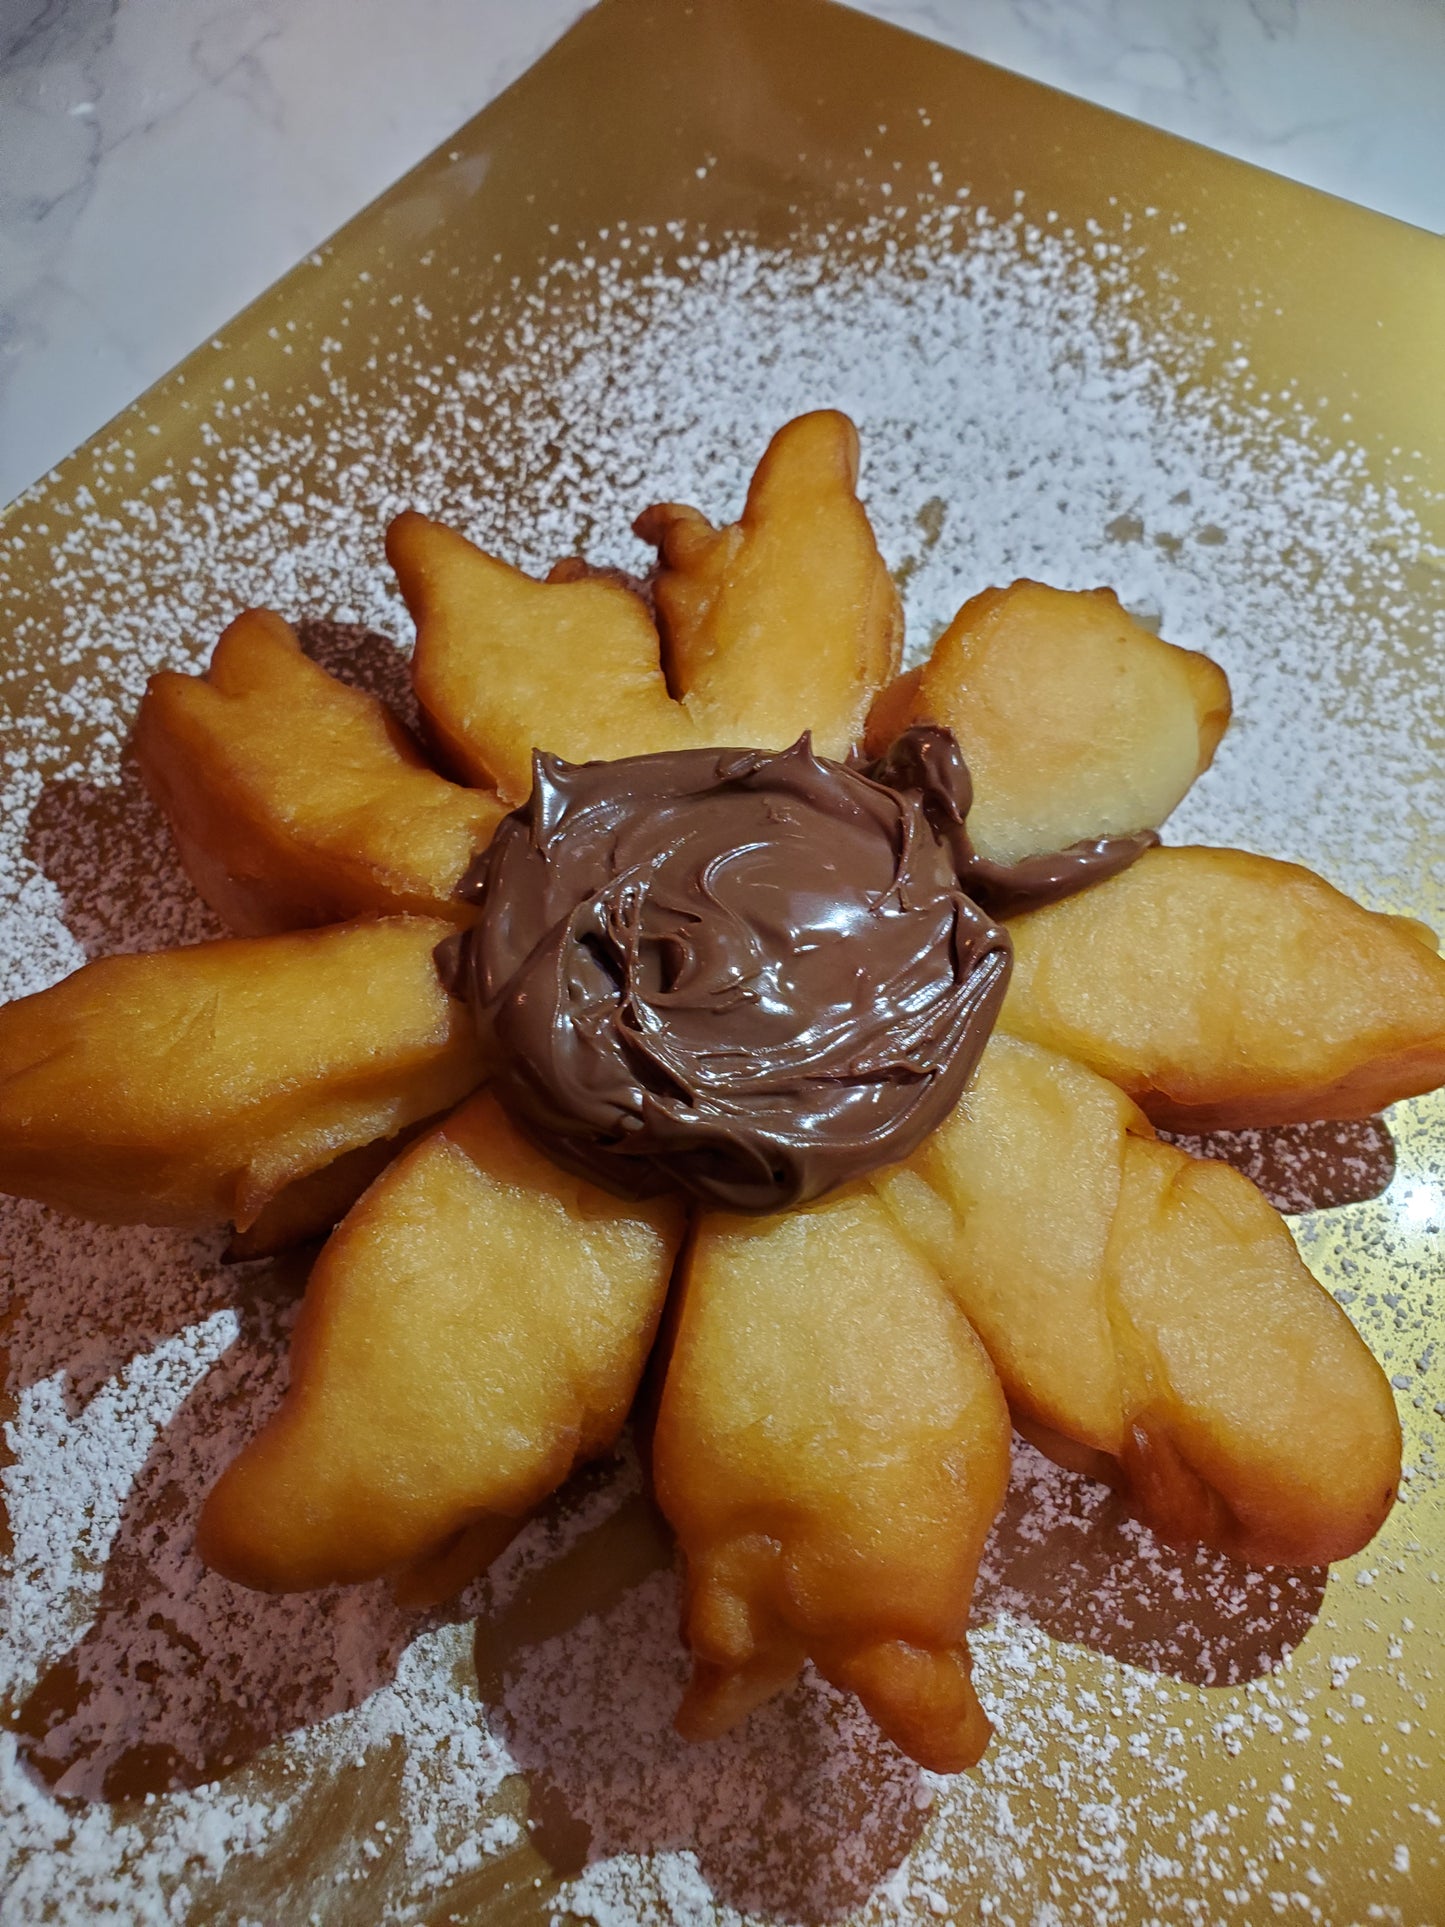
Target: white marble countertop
(162,161)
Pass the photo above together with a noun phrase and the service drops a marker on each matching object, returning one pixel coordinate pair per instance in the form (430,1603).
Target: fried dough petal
(191,1087)
(295,800)
(1076,721)
(1222,989)
(475,1328)
(787,619)
(1150,1318)
(831,1448)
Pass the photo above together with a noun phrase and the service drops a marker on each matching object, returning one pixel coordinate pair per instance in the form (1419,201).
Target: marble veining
(162,161)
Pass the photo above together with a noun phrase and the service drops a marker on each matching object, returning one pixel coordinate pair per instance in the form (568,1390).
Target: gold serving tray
(1162,1756)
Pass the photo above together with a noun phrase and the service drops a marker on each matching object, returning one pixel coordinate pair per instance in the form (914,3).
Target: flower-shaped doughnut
(827,1414)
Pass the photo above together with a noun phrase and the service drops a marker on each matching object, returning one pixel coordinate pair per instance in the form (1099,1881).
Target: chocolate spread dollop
(746,975)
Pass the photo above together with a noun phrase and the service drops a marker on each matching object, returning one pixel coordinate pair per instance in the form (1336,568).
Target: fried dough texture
(1221,989)
(295,800)
(831,1448)
(190,1087)
(1150,1318)
(475,1328)
(787,619)
(505,665)
(783,622)
(1076,721)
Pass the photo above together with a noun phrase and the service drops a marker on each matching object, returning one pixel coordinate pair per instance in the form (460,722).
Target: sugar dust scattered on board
(301,1751)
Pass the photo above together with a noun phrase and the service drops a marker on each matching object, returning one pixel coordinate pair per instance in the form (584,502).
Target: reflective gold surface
(1323,1809)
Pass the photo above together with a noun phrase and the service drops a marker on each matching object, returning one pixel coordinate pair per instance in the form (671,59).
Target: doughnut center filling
(747,975)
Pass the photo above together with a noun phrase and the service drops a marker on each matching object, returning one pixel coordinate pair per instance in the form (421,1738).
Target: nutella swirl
(746,975)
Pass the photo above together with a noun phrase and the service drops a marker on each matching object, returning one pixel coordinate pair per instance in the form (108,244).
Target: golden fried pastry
(1150,1317)
(830,1440)
(1075,721)
(831,1449)
(309,1206)
(504,665)
(476,1327)
(787,619)
(1282,1444)
(190,1087)
(758,646)
(295,800)
(1221,989)
(1012,1201)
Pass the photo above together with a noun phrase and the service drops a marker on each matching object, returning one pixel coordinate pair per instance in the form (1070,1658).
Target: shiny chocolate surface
(750,975)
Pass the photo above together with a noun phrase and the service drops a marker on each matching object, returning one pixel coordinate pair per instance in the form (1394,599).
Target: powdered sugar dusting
(185,1751)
